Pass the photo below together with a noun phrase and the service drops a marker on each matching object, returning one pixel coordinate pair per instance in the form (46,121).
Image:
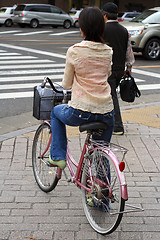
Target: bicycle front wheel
(102,204)
(45,176)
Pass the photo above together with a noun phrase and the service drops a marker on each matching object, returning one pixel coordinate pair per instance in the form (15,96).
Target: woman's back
(91,62)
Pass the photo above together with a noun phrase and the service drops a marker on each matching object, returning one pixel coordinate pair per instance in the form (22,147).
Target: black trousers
(114,80)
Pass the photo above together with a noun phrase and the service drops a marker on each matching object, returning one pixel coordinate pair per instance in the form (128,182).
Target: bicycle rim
(45,176)
(103,204)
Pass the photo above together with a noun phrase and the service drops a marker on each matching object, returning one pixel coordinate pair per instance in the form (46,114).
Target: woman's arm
(69,71)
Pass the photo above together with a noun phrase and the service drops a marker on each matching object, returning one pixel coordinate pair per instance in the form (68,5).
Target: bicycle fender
(47,122)
(121,176)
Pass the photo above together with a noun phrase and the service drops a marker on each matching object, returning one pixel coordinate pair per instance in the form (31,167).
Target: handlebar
(64,92)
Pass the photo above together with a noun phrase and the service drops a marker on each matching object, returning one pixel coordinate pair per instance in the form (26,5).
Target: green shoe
(89,199)
(59,163)
(90,202)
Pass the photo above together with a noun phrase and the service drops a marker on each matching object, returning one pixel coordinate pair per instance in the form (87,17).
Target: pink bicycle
(99,174)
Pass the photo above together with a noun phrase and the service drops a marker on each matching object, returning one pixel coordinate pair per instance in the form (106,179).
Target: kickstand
(133,208)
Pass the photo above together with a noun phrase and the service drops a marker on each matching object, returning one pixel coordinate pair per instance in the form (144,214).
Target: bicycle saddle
(92,126)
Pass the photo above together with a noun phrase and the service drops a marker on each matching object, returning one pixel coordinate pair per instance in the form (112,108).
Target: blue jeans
(62,115)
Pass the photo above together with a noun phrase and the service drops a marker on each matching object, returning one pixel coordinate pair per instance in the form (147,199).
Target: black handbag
(128,89)
(45,98)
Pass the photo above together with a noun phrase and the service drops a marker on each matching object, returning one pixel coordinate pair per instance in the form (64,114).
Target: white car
(127,16)
(6,14)
(145,33)
(75,16)
(41,14)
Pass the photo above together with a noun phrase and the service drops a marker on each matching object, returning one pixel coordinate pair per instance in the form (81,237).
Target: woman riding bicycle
(88,66)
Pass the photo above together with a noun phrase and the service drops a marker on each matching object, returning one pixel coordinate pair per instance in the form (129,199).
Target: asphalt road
(28,55)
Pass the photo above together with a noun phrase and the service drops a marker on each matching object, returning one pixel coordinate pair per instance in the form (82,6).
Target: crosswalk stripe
(139,80)
(23,72)
(149,87)
(17,86)
(19,33)
(10,32)
(64,33)
(16,69)
(26,61)
(17,57)
(30,78)
(22,86)
(9,54)
(151,74)
(34,51)
(30,93)
(31,85)
(16,95)
(39,66)
(32,33)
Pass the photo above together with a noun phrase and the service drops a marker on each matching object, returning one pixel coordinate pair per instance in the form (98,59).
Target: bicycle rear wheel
(103,206)
(45,176)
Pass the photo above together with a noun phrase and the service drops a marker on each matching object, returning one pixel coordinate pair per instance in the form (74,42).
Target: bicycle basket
(45,98)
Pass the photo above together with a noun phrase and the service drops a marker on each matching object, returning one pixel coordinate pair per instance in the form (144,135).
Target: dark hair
(91,22)
(111,16)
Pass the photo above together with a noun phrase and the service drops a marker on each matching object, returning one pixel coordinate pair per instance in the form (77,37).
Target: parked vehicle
(127,16)
(41,14)
(6,14)
(75,16)
(145,33)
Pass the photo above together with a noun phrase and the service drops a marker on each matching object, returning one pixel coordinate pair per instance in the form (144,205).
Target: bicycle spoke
(45,175)
(102,205)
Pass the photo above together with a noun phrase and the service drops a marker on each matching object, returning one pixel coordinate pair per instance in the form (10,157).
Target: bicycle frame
(76,175)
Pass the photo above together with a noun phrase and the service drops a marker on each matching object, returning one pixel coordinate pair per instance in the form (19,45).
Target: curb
(33,128)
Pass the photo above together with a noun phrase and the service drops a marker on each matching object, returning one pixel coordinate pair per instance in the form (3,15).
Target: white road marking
(9,32)
(30,93)
(34,51)
(39,66)
(30,40)
(64,33)
(16,95)
(149,87)
(21,86)
(151,74)
(32,33)
(26,61)
(139,80)
(23,72)
(17,57)
(7,75)
(9,54)
(30,78)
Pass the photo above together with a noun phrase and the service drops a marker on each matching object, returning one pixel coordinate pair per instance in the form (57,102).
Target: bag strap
(137,92)
(52,86)
(47,79)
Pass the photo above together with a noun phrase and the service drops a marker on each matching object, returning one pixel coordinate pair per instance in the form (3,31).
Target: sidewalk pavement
(28,213)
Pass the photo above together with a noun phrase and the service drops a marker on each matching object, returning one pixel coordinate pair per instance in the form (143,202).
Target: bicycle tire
(104,213)
(45,176)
